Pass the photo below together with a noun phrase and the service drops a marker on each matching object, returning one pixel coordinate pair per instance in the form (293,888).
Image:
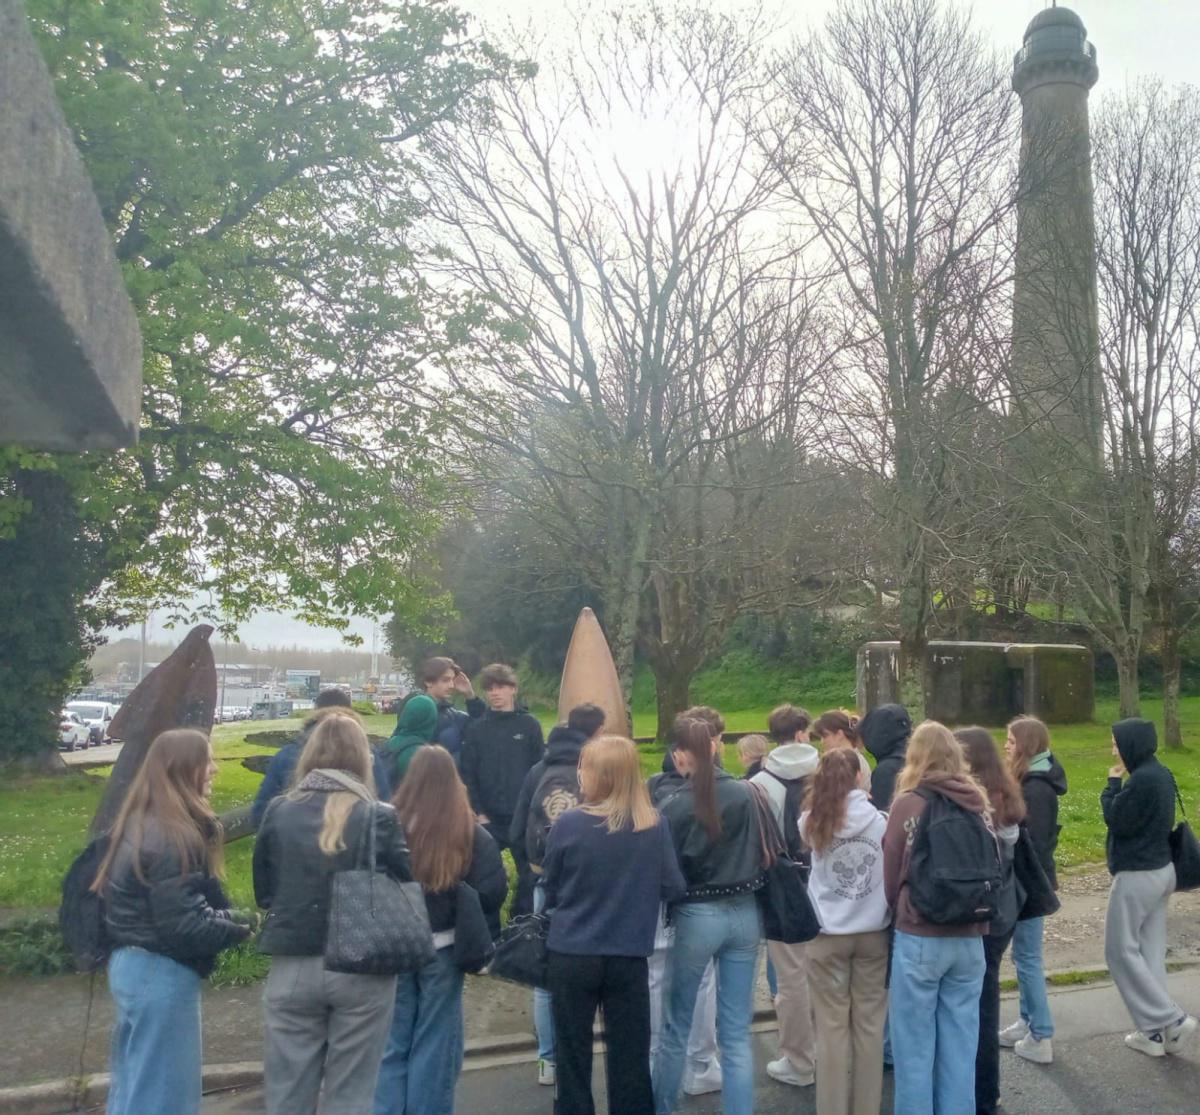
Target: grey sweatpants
(326,1033)
(1135,945)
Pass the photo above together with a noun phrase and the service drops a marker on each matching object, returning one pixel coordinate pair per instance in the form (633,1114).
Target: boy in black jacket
(498,751)
(884,732)
(1139,816)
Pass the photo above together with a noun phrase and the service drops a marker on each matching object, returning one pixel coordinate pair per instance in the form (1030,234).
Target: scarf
(329,781)
(416,727)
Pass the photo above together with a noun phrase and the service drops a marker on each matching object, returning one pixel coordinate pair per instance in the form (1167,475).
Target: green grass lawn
(43,821)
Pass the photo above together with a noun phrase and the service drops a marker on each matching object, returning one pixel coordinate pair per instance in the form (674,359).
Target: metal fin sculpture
(590,675)
(180,692)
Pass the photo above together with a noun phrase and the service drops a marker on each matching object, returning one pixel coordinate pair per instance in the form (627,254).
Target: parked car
(72,732)
(97,715)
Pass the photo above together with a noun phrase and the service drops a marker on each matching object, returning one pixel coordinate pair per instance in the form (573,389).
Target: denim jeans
(543,1017)
(728,931)
(156,1055)
(934,1012)
(1031,977)
(425,1048)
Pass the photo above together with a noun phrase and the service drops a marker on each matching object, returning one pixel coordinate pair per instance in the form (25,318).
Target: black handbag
(1037,897)
(377,925)
(521,953)
(473,946)
(1185,851)
(787,911)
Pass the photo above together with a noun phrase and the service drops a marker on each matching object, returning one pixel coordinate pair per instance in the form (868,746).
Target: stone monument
(590,676)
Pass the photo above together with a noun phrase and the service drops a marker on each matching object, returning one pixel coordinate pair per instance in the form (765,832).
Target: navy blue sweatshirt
(605,887)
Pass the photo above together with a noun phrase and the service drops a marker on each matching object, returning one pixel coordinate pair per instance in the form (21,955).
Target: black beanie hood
(1136,741)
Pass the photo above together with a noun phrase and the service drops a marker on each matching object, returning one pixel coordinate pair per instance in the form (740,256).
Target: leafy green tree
(253,159)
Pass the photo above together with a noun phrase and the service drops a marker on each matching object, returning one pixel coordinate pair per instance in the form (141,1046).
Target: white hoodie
(846,884)
(788,761)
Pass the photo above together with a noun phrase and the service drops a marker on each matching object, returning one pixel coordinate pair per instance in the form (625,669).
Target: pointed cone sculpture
(590,676)
(180,692)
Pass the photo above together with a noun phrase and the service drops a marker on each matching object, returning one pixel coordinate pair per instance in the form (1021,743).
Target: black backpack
(81,917)
(793,806)
(954,872)
(556,792)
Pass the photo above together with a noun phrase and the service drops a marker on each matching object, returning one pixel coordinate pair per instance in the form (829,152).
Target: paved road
(93,756)
(1093,1073)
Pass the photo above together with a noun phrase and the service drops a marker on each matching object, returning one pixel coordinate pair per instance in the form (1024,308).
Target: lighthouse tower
(1055,353)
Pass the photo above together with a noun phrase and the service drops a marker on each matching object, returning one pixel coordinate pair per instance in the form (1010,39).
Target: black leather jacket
(733,865)
(184,917)
(292,875)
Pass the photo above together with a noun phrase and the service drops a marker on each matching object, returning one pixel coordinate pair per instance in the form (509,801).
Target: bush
(33,947)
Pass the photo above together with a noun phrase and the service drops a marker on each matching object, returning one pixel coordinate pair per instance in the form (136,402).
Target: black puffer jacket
(485,873)
(1042,789)
(184,917)
(733,865)
(292,876)
(532,819)
(498,750)
(884,732)
(662,785)
(1140,814)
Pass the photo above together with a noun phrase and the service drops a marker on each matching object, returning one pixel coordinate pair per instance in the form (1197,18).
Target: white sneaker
(546,1073)
(1177,1036)
(1038,1050)
(1150,1044)
(1010,1035)
(705,1081)
(786,1073)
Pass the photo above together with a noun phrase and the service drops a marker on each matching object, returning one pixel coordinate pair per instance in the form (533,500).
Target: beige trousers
(847,974)
(793,1008)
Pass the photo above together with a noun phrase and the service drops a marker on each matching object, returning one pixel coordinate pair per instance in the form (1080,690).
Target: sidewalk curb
(58,1096)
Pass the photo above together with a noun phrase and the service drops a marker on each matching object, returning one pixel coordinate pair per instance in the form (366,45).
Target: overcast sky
(1133,38)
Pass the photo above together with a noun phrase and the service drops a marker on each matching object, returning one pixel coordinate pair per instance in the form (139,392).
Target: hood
(860,815)
(792,760)
(958,789)
(1048,769)
(563,747)
(1136,741)
(417,724)
(885,731)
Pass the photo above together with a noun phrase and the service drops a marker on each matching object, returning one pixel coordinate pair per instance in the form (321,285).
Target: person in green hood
(416,727)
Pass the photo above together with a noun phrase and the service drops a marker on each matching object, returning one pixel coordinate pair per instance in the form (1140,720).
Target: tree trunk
(1172,733)
(1127,679)
(672,694)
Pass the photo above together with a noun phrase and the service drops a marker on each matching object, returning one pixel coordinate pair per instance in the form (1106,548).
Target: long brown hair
(983,757)
(1033,737)
(615,790)
(931,750)
(694,737)
(168,790)
(438,821)
(836,775)
(338,742)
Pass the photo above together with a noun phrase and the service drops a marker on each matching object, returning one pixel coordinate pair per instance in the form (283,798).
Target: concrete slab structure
(70,350)
(987,683)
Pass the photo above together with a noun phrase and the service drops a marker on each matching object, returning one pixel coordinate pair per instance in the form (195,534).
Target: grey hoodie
(791,762)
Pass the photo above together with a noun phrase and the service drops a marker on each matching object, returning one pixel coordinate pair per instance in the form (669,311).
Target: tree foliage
(253,160)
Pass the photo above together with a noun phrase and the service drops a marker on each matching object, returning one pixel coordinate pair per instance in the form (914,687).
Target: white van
(96,715)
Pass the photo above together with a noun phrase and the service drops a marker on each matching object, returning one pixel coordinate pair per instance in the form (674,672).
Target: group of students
(651,888)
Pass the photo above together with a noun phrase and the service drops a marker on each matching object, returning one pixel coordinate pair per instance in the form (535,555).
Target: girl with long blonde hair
(456,862)
(847,961)
(324,1031)
(168,919)
(608,866)
(937,968)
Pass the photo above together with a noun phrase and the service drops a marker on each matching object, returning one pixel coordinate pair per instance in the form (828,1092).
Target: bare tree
(895,135)
(647,401)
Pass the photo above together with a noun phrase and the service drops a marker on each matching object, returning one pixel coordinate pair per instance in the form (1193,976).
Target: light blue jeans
(728,932)
(156,1054)
(543,1020)
(425,1048)
(934,1012)
(1031,977)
